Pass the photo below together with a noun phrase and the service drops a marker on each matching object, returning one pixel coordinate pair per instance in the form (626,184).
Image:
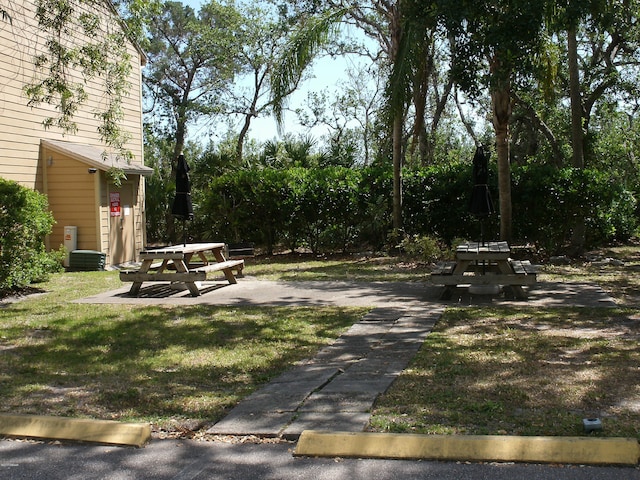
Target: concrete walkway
(336,389)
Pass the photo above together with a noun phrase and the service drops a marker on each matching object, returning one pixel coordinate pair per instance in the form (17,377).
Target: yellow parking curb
(573,450)
(77,429)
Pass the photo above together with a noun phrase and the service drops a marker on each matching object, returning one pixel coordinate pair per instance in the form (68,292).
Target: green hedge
(338,208)
(547,201)
(25,220)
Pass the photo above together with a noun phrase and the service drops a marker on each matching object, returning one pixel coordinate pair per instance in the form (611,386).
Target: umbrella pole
(184,231)
(482,240)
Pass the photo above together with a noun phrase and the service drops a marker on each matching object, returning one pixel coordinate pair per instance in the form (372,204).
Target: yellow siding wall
(75,196)
(72,196)
(21,126)
(79,198)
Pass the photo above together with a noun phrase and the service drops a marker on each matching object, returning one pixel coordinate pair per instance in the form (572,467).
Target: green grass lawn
(529,371)
(168,365)
(298,267)
(483,370)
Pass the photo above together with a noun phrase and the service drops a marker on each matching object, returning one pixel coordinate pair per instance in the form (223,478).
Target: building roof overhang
(95,157)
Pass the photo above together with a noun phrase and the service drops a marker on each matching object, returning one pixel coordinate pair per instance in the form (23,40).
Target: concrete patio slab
(249,291)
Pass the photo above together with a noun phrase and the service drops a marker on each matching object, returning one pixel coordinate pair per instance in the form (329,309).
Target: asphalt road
(191,460)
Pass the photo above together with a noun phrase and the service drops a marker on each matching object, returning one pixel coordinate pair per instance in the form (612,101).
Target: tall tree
(314,34)
(191,59)
(356,101)
(406,32)
(496,42)
(263,35)
(602,42)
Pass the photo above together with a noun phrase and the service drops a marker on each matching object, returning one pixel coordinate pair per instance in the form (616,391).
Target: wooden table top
(489,250)
(181,248)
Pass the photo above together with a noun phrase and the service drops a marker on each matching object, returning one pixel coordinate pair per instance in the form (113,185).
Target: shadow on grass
(154,362)
(520,372)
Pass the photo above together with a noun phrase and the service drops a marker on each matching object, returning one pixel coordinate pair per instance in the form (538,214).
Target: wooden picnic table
(176,264)
(486,263)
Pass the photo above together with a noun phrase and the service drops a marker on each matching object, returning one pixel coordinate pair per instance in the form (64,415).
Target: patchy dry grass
(622,282)
(521,372)
(297,267)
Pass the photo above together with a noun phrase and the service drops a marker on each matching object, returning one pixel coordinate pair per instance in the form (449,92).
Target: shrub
(547,200)
(24,222)
(335,208)
(423,247)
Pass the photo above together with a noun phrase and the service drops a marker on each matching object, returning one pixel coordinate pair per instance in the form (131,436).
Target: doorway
(121,224)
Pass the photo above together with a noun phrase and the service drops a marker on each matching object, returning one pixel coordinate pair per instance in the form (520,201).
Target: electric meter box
(70,242)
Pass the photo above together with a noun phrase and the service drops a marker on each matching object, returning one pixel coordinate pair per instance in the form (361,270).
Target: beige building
(71,169)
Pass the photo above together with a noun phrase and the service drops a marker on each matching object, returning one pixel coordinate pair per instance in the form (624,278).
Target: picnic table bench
(487,264)
(174,264)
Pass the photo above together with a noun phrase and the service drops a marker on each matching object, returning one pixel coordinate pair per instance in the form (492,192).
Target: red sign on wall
(114,203)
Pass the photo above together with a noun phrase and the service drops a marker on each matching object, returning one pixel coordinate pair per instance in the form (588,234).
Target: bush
(547,201)
(317,208)
(24,222)
(436,202)
(423,247)
(336,208)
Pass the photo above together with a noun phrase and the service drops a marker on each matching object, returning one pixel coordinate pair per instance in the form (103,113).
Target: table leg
(203,257)
(461,266)
(229,276)
(144,268)
(163,267)
(228,273)
(217,253)
(513,291)
(447,292)
(181,266)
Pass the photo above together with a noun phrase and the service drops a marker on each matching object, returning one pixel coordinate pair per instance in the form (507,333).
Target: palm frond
(299,53)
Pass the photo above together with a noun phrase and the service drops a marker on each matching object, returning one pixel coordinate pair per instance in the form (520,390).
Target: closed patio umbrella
(480,203)
(182,207)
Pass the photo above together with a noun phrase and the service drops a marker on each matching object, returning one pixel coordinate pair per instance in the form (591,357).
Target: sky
(326,73)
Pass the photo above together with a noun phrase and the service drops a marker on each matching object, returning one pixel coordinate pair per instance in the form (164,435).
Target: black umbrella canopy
(182,206)
(480,203)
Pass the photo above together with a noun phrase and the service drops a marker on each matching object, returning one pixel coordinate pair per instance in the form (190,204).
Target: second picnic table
(176,264)
(486,263)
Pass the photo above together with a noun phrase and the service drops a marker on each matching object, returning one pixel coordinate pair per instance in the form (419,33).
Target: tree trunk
(241,137)
(397,171)
(253,112)
(501,103)
(542,128)
(420,89)
(429,147)
(577,134)
(398,117)
(181,130)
